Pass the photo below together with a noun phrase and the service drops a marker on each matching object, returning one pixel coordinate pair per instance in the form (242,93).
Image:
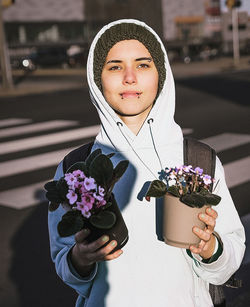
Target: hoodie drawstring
(149,121)
(119,124)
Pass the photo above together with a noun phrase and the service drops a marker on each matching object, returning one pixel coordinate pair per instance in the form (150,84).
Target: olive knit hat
(127,31)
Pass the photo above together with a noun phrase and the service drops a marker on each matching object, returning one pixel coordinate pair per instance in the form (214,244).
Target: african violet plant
(85,191)
(190,185)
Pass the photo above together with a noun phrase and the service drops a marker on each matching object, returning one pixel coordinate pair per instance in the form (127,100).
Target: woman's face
(130,79)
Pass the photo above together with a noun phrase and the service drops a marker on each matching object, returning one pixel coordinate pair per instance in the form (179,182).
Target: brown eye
(115,68)
(143,65)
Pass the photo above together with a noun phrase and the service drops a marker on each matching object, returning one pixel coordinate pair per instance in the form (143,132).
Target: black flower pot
(118,231)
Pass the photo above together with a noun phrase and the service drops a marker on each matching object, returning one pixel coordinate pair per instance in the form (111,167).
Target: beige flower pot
(178,221)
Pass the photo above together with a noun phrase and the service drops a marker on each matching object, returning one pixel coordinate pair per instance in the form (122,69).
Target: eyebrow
(137,60)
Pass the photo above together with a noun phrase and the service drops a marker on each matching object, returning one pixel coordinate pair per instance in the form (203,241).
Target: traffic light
(233,3)
(6,3)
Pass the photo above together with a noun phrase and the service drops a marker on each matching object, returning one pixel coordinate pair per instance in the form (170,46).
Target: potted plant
(85,192)
(186,193)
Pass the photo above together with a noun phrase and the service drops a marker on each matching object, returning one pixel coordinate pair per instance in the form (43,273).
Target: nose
(129,76)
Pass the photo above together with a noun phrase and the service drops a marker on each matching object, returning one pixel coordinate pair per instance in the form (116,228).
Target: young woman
(132,87)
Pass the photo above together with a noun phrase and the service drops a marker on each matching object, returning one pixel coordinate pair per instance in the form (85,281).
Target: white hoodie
(149,273)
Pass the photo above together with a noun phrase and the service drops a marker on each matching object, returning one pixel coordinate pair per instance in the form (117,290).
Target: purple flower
(101,191)
(89,184)
(207,179)
(70,179)
(79,185)
(78,174)
(101,203)
(98,197)
(88,200)
(198,170)
(72,197)
(187,168)
(84,209)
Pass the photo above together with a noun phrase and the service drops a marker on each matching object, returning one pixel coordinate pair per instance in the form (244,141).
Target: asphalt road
(215,108)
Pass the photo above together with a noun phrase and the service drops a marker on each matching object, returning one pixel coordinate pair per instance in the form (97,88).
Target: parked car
(46,57)
(77,56)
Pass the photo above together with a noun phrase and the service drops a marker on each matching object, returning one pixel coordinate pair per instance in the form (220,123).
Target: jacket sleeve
(231,234)
(60,247)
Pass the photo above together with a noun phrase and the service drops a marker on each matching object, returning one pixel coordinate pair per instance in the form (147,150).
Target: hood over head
(160,126)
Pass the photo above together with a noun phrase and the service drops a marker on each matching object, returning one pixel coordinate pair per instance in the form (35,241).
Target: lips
(130,94)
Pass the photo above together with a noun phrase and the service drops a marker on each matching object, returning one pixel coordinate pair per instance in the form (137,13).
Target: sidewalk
(49,80)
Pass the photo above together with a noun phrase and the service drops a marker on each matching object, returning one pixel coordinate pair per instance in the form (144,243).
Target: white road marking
(23,197)
(14,121)
(37,127)
(49,139)
(18,166)
(226,141)
(237,172)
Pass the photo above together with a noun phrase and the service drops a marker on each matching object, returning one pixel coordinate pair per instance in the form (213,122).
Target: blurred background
(46,112)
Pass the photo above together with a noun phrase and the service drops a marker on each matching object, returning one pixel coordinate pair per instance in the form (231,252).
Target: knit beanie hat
(127,31)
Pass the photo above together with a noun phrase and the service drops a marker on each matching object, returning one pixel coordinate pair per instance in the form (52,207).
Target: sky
(245,5)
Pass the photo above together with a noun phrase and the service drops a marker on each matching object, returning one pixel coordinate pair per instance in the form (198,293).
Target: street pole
(236,49)
(7,81)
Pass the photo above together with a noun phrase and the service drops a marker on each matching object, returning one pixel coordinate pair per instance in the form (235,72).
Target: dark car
(46,57)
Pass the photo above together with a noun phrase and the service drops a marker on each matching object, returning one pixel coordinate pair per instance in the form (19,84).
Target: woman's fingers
(212,213)
(81,235)
(209,218)
(114,255)
(95,251)
(204,235)
(197,249)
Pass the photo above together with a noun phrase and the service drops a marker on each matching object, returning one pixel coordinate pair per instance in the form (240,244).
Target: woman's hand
(84,255)
(207,244)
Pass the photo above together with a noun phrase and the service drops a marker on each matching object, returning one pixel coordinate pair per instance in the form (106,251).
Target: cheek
(151,84)
(109,85)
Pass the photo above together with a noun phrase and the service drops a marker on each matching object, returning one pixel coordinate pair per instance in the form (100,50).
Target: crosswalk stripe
(237,172)
(49,139)
(14,121)
(28,164)
(226,141)
(37,127)
(23,197)
(30,195)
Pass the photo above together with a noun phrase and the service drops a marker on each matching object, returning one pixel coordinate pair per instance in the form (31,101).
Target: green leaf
(120,169)
(212,199)
(53,206)
(110,155)
(157,188)
(204,191)
(53,197)
(194,200)
(91,157)
(71,223)
(103,220)
(78,165)
(62,188)
(108,204)
(187,199)
(174,190)
(51,185)
(101,168)
(199,200)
